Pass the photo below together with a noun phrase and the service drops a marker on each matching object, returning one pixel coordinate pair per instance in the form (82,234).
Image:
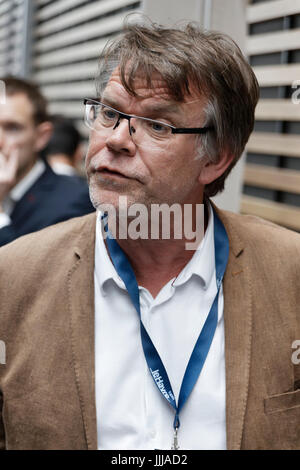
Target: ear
(43,134)
(211,171)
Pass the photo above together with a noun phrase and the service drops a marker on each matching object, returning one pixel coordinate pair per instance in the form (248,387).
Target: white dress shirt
(19,190)
(131,412)
(61,168)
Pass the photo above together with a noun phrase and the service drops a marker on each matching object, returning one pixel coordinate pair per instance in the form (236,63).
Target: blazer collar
(81,309)
(238,330)
(237,319)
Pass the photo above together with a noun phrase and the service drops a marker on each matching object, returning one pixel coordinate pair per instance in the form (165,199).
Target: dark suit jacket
(47,386)
(52,198)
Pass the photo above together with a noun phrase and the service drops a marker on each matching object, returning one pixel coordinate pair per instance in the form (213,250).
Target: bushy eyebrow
(152,109)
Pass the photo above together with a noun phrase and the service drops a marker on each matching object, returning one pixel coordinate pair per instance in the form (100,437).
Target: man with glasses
(117,339)
(32,196)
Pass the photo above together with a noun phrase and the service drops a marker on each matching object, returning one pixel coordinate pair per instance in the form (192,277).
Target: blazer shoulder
(253,229)
(45,243)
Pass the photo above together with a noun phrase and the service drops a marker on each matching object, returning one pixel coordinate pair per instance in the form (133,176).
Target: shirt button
(153,433)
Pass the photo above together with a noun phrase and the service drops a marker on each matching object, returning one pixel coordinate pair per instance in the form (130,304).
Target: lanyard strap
(203,343)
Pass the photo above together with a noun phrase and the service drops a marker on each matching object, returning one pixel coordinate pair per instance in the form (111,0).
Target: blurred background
(57,43)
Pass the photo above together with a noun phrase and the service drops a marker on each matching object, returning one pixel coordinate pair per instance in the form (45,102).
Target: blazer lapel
(238,327)
(81,307)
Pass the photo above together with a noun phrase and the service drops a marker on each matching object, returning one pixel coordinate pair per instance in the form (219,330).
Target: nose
(120,139)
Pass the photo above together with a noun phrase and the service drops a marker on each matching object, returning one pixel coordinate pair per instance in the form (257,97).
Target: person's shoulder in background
(69,197)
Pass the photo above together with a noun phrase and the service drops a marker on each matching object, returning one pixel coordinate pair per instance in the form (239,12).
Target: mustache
(94,167)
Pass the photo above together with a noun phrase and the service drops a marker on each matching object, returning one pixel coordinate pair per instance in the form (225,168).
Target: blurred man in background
(32,196)
(64,151)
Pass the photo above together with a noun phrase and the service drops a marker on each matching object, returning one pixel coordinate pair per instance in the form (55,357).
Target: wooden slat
(55,8)
(4,7)
(272,178)
(5,20)
(71,54)
(82,70)
(85,13)
(280,110)
(273,42)
(84,32)
(269,143)
(3,59)
(277,75)
(79,90)
(74,110)
(282,214)
(41,2)
(272,9)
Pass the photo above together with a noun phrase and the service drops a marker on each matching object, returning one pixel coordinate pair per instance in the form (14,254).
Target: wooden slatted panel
(272,9)
(4,19)
(282,214)
(55,8)
(280,110)
(66,55)
(269,143)
(65,91)
(85,13)
(273,178)
(273,42)
(4,7)
(11,36)
(73,110)
(81,33)
(83,70)
(277,75)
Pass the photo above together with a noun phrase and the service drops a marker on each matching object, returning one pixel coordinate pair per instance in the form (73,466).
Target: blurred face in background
(19,132)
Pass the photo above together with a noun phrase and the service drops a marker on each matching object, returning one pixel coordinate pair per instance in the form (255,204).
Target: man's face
(18,131)
(159,174)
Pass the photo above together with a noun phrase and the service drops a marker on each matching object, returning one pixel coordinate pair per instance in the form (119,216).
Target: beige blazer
(47,386)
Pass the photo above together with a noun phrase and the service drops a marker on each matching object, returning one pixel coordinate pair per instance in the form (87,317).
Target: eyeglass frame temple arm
(191,130)
(174,130)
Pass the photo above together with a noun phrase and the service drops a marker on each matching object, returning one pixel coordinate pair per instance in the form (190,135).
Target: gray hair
(209,61)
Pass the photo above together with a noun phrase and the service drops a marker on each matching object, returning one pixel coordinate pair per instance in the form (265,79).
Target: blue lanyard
(202,346)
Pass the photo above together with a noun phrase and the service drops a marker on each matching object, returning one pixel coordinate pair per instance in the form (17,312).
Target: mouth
(109,173)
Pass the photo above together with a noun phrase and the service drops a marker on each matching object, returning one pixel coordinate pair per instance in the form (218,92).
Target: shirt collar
(104,269)
(202,264)
(22,187)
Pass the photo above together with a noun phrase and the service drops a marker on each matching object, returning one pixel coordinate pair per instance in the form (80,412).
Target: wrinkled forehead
(143,88)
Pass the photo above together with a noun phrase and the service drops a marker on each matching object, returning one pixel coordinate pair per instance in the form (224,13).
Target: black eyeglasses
(103,119)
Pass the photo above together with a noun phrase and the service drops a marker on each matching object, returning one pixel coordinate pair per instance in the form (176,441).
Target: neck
(60,158)
(157,261)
